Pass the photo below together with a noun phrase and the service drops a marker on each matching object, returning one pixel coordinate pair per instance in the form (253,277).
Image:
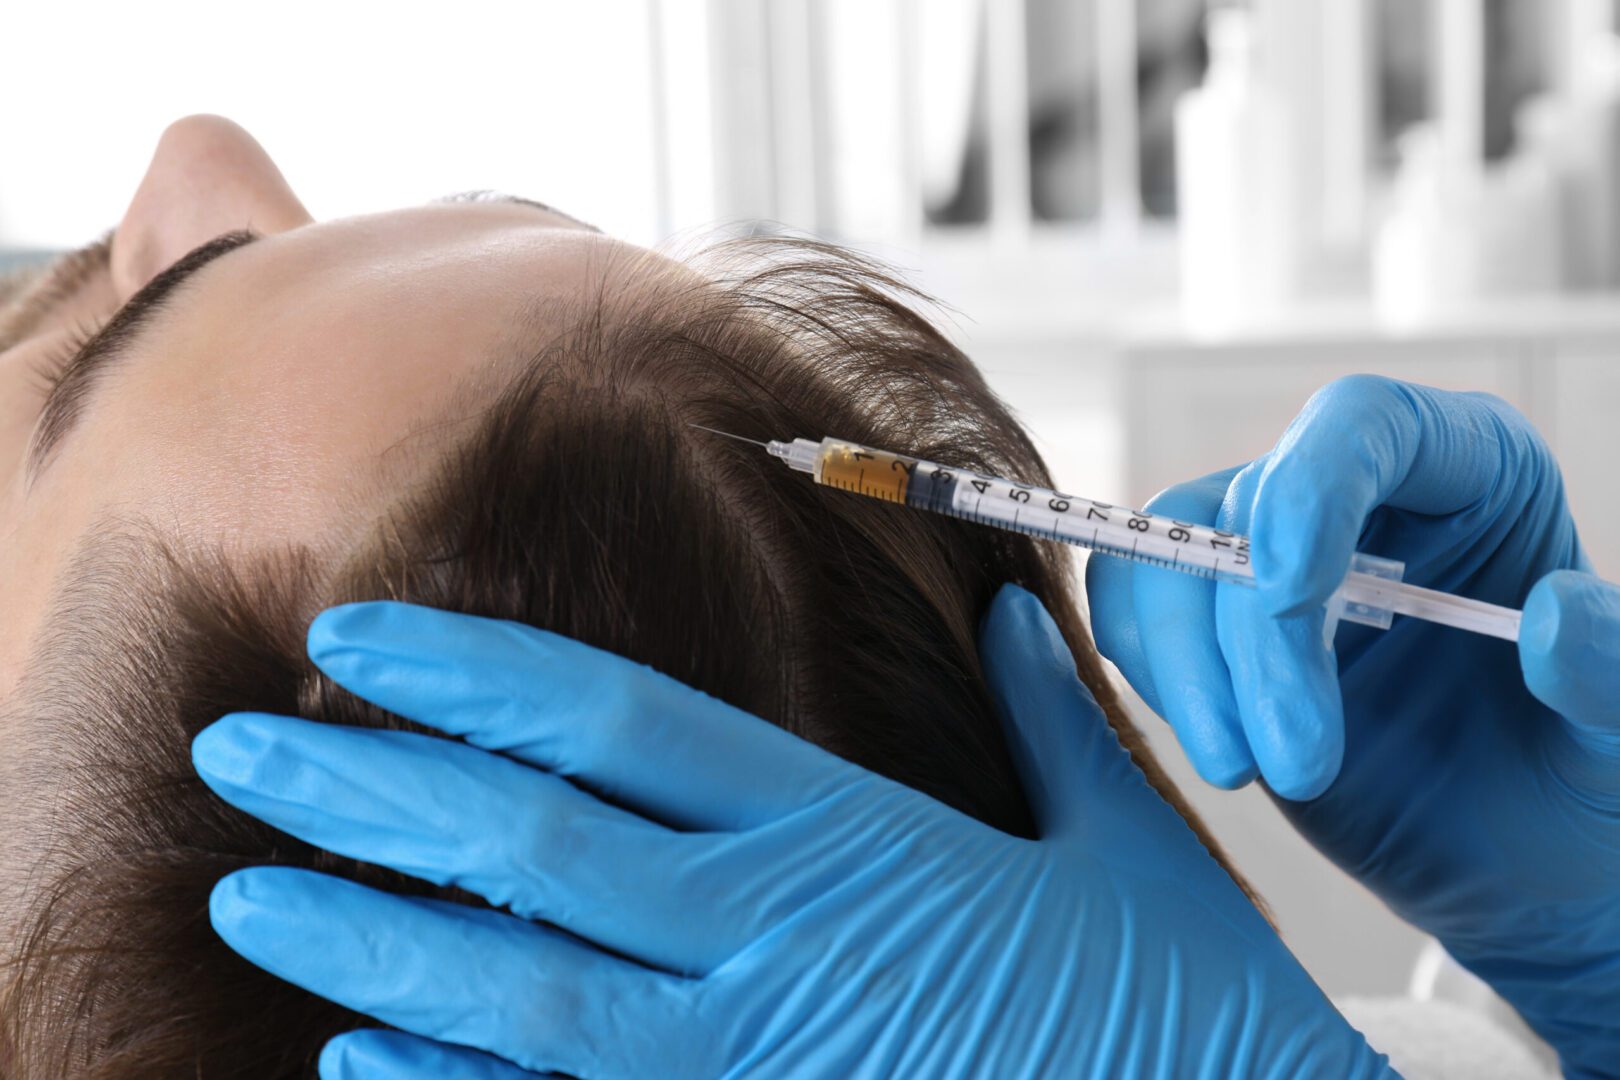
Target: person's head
(482,406)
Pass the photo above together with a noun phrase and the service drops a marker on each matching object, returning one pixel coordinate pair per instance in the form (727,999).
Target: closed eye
(49,369)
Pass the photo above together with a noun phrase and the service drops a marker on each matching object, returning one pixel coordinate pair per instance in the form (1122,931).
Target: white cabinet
(1188,409)
(1189,413)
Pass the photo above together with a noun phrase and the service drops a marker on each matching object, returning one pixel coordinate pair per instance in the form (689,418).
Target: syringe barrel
(877,474)
(1036,511)
(880,474)
(1372,593)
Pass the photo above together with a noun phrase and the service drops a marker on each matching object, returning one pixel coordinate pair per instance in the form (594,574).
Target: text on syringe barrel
(1037,511)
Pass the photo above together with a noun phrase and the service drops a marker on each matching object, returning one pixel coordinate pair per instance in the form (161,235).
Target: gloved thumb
(1067,755)
(1569,648)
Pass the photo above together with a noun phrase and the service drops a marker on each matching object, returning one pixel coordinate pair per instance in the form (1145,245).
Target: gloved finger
(1359,443)
(1110,595)
(1569,649)
(1176,616)
(457,974)
(1287,689)
(375,1054)
(519,837)
(622,729)
(1067,755)
(1285,683)
(1158,626)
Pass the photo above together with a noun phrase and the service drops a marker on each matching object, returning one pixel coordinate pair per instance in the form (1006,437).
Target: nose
(208,176)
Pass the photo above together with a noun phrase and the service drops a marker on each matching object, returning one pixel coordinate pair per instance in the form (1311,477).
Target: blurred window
(1066,86)
(1405,72)
(955,99)
(1170,60)
(1515,66)
(1516,52)
(1064,146)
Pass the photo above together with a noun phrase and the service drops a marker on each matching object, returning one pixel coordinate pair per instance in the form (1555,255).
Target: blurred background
(1161,223)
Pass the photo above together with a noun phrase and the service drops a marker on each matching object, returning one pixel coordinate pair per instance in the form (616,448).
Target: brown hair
(581,501)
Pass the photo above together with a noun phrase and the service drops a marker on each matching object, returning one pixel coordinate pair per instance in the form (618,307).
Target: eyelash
(51,368)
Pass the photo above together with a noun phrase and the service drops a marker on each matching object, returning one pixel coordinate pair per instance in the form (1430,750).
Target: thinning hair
(580,500)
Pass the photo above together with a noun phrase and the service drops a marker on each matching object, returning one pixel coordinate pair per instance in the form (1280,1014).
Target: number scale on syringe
(1043,512)
(1370,594)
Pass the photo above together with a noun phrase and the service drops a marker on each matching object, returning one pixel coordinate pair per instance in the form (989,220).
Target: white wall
(365,106)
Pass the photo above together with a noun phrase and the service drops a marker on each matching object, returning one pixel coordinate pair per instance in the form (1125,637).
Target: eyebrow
(67,398)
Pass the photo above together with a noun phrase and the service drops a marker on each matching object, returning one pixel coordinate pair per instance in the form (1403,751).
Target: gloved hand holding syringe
(1371,594)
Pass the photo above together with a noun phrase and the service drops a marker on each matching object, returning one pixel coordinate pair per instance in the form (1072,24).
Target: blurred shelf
(1502,321)
(1131,329)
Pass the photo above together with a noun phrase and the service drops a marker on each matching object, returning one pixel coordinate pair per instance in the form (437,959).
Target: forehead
(286,372)
(420,283)
(291,388)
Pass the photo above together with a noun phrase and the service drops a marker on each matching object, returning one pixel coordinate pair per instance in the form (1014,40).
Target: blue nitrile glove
(1479,813)
(748,904)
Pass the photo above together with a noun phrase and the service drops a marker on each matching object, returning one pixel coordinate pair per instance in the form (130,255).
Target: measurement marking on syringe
(948,491)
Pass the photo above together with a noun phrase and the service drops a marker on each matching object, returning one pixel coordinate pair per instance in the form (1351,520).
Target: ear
(208,176)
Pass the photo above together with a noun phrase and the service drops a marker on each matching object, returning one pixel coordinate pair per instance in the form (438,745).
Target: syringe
(1371,594)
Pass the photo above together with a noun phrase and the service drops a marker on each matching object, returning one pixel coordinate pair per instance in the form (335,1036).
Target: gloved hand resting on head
(1473,785)
(743,902)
